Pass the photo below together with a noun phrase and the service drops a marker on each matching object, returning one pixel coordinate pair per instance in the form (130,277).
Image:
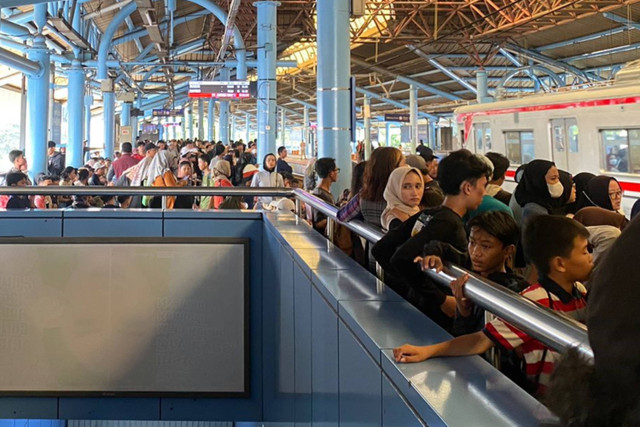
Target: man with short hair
(463,181)
(494,188)
(328,173)
(150,149)
(282,165)
(16,157)
(55,164)
(120,165)
(17,179)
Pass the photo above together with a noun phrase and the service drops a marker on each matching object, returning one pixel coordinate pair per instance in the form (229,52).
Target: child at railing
(492,242)
(557,246)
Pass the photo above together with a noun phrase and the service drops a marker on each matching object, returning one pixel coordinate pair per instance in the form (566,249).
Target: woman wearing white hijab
(403,194)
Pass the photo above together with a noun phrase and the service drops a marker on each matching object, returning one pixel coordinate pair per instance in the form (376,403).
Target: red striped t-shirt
(510,337)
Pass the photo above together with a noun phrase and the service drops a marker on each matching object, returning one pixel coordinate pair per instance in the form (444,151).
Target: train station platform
(320,334)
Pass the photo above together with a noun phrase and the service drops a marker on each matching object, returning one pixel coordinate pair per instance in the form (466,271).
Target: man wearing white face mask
(539,186)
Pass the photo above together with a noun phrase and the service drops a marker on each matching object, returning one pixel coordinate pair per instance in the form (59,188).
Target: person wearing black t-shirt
(463,178)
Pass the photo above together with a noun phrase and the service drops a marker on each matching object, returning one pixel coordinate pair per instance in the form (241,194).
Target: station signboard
(225,90)
(167,112)
(394,117)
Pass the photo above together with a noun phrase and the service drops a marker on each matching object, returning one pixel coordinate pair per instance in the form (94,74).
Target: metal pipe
(19,63)
(201,119)
(12,29)
(106,9)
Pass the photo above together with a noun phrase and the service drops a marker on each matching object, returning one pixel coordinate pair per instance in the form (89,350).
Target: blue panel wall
(360,383)
(30,223)
(324,363)
(395,412)
(302,351)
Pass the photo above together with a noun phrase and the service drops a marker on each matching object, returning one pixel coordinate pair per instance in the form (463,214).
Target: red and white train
(593,130)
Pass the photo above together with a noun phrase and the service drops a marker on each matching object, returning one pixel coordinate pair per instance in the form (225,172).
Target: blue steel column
(190,120)
(247,128)
(334,99)
(75,104)
(223,118)
(413,117)
(38,106)
(210,119)
(267,51)
(134,119)
(387,136)
(305,131)
(283,126)
(88,101)
(232,130)
(366,111)
(109,117)
(200,119)
(432,134)
(125,115)
(483,87)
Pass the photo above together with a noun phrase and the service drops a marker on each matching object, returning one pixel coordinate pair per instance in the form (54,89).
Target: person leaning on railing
(463,177)
(558,247)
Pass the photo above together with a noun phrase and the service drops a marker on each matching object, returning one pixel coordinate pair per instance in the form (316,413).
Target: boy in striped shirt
(557,246)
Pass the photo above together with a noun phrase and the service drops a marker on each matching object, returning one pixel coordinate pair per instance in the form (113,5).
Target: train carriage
(593,130)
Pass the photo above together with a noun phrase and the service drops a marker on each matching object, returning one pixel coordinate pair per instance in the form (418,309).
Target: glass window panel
(615,150)
(528,147)
(634,151)
(479,138)
(573,138)
(487,137)
(558,137)
(512,140)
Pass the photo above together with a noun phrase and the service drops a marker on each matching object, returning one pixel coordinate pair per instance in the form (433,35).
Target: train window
(483,137)
(520,146)
(621,149)
(572,131)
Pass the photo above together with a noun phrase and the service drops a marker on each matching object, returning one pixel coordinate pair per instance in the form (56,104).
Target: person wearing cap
(433,195)
(99,174)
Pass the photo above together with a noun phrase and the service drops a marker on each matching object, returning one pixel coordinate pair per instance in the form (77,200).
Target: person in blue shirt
(282,165)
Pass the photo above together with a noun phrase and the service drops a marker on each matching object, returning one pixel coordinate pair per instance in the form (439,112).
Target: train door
(564,141)
(482,137)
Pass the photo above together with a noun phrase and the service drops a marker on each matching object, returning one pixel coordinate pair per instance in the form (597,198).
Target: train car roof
(590,94)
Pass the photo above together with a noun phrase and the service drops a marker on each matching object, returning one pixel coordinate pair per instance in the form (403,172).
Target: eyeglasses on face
(615,194)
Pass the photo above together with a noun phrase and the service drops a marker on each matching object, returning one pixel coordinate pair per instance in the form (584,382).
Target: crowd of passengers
(162,164)
(543,241)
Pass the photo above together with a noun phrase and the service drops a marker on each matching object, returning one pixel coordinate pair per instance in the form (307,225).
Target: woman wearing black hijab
(539,189)
(603,191)
(581,180)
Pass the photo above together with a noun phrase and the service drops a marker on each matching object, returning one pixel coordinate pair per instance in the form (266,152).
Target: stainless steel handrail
(549,327)
(557,331)
(147,191)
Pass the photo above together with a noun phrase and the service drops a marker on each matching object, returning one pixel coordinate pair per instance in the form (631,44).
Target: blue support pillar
(211,119)
(125,114)
(200,119)
(232,131)
(75,104)
(366,112)
(334,99)
(482,85)
(267,51)
(387,140)
(134,120)
(88,101)
(38,106)
(160,129)
(305,131)
(283,127)
(247,128)
(109,117)
(223,119)
(190,120)
(413,115)
(433,139)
